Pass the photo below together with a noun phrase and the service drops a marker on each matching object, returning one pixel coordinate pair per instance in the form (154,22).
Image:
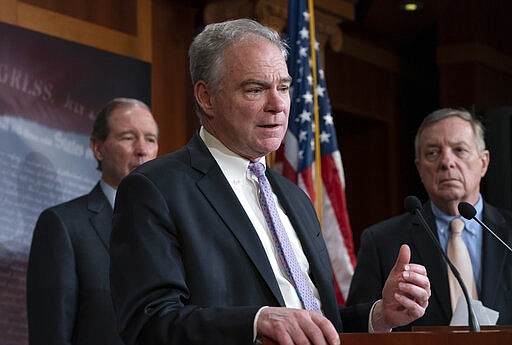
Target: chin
(270,146)
(454,197)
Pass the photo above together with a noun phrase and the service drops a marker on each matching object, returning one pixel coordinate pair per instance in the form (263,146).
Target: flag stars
(303,135)
(305,14)
(301,155)
(310,79)
(329,120)
(325,137)
(308,97)
(304,33)
(305,116)
(320,90)
(305,90)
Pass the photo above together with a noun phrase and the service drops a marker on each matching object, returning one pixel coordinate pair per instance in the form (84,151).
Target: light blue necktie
(281,240)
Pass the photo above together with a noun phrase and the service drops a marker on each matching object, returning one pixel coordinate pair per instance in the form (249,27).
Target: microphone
(467,211)
(413,205)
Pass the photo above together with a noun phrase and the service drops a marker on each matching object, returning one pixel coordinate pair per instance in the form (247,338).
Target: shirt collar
(232,165)
(473,226)
(445,219)
(109,192)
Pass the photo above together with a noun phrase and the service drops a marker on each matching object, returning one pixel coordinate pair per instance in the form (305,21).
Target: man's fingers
(420,269)
(418,283)
(328,332)
(414,309)
(296,326)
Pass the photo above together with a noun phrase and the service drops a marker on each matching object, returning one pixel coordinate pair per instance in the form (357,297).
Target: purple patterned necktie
(281,241)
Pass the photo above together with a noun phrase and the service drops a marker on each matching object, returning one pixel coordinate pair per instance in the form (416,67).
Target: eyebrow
(286,80)
(134,132)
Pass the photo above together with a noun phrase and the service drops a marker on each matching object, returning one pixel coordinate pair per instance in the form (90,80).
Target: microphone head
(466,210)
(412,203)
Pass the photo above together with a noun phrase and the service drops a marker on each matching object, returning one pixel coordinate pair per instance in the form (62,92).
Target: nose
(277,101)
(141,147)
(447,159)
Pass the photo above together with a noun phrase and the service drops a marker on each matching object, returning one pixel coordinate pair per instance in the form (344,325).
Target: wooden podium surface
(489,335)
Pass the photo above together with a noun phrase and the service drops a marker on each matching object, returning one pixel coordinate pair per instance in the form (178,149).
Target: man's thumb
(404,257)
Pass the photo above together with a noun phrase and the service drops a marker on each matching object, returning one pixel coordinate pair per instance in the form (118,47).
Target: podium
(438,335)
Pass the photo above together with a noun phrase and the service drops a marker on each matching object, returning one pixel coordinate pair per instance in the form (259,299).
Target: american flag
(295,158)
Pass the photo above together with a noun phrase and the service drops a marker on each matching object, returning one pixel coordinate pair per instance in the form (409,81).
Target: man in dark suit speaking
(451,160)
(68,289)
(209,247)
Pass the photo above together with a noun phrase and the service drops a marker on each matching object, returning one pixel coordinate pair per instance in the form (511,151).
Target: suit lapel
(312,245)
(433,262)
(493,255)
(100,214)
(222,198)
(307,238)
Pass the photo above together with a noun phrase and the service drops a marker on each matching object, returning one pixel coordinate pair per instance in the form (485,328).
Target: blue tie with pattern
(281,240)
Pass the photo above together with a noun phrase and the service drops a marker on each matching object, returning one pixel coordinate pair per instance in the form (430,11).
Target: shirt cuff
(370,324)
(255,338)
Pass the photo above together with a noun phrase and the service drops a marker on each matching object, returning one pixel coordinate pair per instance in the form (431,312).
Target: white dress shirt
(245,187)
(109,192)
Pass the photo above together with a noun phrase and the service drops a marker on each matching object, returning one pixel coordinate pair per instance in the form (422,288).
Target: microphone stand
(467,211)
(474,326)
(492,233)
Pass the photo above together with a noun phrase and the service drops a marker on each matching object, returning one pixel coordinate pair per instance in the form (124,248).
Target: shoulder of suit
(491,211)
(394,224)
(70,206)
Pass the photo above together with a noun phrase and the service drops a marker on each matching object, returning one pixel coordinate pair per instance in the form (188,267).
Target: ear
(417,163)
(204,97)
(419,167)
(486,158)
(96,147)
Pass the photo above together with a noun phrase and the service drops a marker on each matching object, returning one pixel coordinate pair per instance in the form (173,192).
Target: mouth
(449,180)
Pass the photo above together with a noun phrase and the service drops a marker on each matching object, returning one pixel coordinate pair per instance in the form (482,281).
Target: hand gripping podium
(436,335)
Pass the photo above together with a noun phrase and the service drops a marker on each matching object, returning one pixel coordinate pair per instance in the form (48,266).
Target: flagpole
(318,156)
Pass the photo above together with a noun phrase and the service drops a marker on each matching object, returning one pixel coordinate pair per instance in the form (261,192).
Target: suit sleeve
(52,285)
(149,286)
(368,279)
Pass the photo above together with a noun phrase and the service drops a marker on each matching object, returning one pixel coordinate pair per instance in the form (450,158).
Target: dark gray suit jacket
(68,289)
(187,266)
(380,243)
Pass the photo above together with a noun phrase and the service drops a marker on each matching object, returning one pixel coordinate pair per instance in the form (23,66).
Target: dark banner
(50,91)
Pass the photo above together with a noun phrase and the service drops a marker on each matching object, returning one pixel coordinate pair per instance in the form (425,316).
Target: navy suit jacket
(376,258)
(187,266)
(68,289)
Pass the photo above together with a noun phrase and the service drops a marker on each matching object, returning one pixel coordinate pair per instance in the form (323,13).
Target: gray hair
(441,114)
(208,47)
